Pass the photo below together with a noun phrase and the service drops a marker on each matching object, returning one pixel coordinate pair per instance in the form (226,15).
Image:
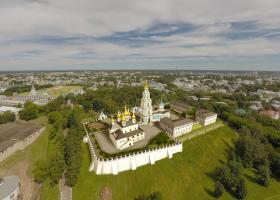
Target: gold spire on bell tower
(146,85)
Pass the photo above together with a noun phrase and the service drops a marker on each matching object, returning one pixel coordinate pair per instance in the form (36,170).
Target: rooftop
(8,185)
(17,131)
(175,123)
(205,113)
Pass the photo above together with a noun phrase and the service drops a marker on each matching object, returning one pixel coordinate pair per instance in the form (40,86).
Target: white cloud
(21,21)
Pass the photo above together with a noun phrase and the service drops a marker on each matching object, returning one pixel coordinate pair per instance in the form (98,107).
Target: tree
(57,160)
(29,112)
(54,105)
(156,196)
(41,170)
(57,119)
(263,175)
(241,189)
(219,189)
(275,164)
(6,117)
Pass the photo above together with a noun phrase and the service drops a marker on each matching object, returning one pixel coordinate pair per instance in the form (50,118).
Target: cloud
(66,33)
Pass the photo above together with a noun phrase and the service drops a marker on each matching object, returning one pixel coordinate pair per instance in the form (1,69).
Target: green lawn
(185,176)
(196,127)
(49,192)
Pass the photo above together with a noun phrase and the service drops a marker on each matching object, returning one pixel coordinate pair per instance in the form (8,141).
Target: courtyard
(107,146)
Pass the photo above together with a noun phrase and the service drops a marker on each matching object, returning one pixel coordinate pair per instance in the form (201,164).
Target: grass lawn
(185,176)
(196,127)
(56,90)
(49,193)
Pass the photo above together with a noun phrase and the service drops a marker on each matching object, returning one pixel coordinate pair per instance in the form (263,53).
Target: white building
(33,91)
(14,110)
(9,188)
(176,128)
(102,116)
(125,132)
(205,117)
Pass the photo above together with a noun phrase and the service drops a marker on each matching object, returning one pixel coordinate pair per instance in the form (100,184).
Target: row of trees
(272,134)
(32,110)
(65,139)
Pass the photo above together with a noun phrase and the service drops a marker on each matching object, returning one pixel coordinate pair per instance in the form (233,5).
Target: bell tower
(146,105)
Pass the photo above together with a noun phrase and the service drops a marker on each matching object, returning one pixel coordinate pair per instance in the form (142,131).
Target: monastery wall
(133,161)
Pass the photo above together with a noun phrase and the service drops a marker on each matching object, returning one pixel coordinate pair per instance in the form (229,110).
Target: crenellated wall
(133,161)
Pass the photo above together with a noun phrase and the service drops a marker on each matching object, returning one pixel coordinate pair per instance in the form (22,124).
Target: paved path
(201,131)
(65,191)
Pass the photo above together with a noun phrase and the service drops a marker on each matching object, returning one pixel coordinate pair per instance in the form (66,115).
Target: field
(56,90)
(186,176)
(22,163)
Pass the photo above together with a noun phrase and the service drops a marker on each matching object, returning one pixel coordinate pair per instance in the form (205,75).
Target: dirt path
(27,186)
(65,191)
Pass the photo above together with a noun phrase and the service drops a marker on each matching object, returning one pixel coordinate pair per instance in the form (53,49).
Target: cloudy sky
(141,34)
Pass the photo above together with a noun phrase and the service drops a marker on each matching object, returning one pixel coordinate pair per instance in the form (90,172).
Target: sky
(140,34)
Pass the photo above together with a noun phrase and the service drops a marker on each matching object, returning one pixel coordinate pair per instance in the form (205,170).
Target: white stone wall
(133,161)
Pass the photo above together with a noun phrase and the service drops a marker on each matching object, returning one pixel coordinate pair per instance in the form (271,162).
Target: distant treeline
(24,88)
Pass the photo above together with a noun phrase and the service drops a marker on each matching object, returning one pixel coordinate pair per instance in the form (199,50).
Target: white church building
(125,132)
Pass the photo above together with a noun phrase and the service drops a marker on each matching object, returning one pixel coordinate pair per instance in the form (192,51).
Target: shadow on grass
(211,174)
(251,178)
(209,192)
(222,162)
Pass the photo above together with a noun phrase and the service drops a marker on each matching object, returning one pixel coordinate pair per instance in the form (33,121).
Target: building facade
(205,117)
(176,128)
